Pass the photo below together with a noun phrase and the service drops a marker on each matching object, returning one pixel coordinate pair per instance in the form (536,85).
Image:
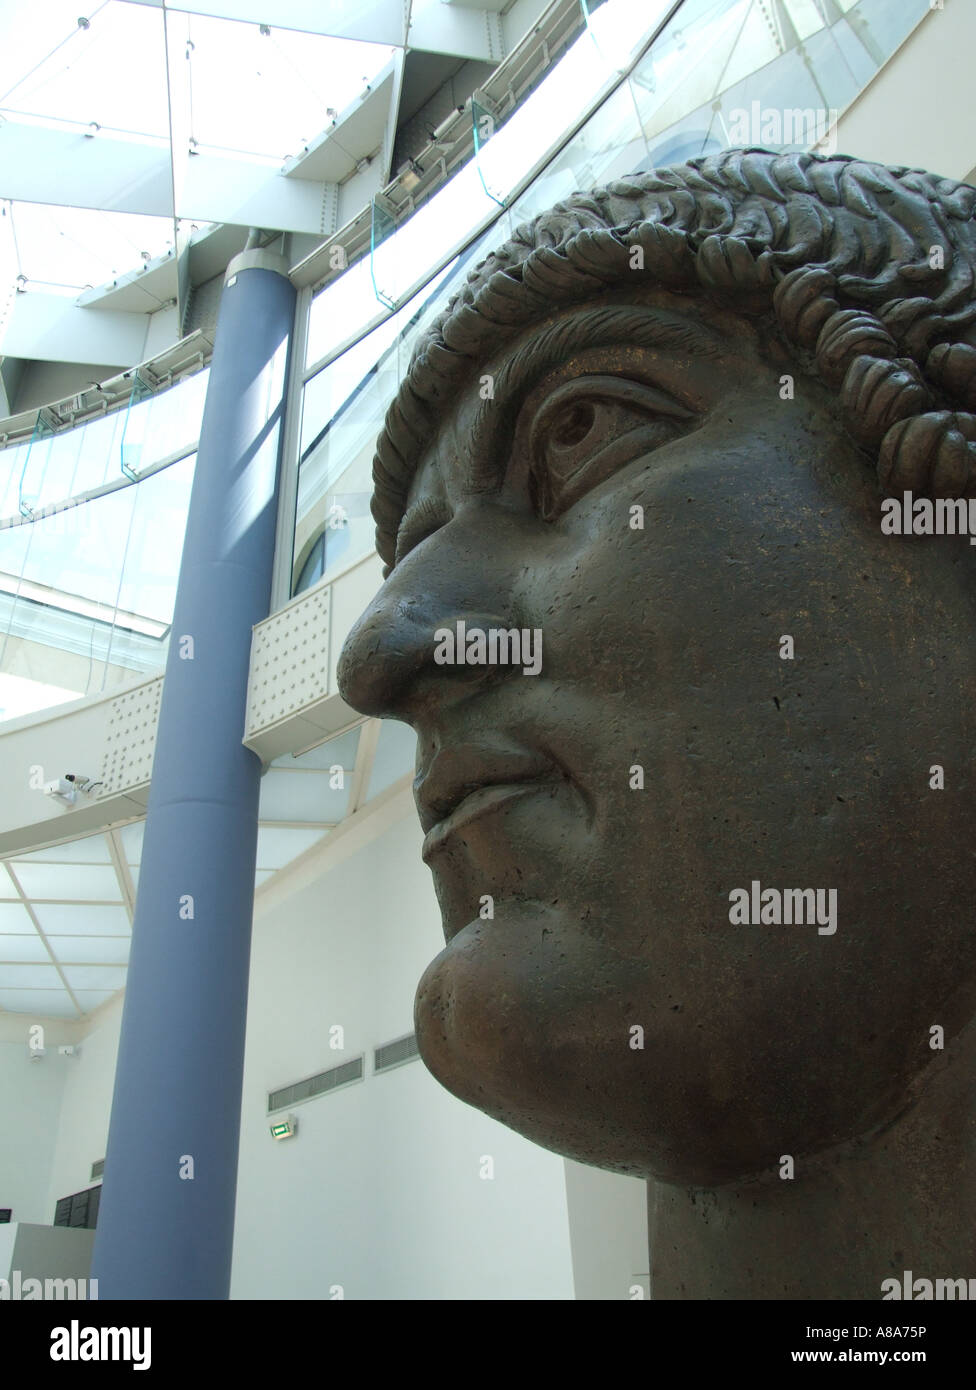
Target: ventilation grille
(98,1168)
(318,1085)
(394,1054)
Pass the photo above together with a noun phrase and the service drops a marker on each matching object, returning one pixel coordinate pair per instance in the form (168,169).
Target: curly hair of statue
(869,272)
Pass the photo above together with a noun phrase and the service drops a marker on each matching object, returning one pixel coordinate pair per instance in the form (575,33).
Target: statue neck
(901,1200)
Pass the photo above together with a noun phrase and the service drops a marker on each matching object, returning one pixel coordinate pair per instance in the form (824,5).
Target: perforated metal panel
(289,661)
(130,740)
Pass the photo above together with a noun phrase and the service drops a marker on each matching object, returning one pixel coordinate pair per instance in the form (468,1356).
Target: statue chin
(685,1101)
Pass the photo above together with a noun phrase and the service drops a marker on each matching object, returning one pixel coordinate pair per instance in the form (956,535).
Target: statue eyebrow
(418,522)
(625,326)
(614,325)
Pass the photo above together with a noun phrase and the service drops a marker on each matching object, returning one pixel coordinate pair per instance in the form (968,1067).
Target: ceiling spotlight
(83,23)
(93,128)
(265,29)
(145,255)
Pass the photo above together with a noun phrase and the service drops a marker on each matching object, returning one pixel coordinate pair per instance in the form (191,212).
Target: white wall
(85,1109)
(30,1101)
(608,1233)
(162,330)
(380,1192)
(917,111)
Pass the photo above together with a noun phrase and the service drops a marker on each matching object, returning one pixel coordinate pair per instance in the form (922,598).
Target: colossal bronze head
(656,428)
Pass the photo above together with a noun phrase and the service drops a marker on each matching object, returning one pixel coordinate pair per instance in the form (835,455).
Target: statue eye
(587,429)
(573,425)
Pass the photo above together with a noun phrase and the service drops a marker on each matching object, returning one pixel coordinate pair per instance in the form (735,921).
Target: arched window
(314,566)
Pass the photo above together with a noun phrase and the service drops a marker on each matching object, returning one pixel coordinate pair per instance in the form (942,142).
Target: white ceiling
(66,911)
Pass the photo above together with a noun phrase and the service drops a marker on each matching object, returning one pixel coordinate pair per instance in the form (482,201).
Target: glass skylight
(64,65)
(231,89)
(259,90)
(67,250)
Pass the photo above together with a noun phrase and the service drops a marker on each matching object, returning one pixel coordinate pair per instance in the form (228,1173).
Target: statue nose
(387,666)
(384,653)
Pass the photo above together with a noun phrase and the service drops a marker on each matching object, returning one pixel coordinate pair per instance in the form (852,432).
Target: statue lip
(461,774)
(476,804)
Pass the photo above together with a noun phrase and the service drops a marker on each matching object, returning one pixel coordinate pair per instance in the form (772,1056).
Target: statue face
(593,993)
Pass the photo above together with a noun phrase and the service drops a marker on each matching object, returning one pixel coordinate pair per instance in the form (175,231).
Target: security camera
(68,788)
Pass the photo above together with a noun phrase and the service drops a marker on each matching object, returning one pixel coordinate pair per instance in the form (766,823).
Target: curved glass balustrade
(86,595)
(124,443)
(720,73)
(87,589)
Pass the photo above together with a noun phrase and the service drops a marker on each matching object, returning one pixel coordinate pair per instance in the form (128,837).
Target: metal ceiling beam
(70,169)
(65,168)
(374,21)
(356,133)
(490,6)
(48,328)
(464,33)
(249,195)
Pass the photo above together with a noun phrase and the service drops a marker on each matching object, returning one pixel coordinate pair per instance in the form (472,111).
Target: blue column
(166,1221)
